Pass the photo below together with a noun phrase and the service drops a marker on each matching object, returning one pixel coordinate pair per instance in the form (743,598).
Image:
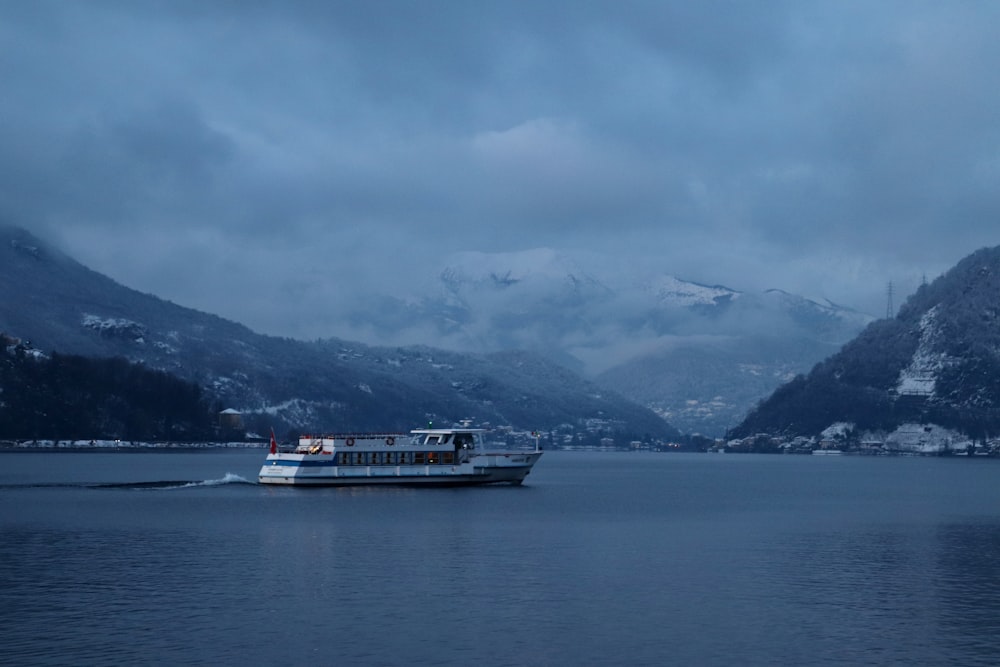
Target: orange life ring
(350,442)
(390,441)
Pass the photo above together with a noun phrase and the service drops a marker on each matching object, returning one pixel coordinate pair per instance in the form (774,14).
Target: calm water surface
(600,559)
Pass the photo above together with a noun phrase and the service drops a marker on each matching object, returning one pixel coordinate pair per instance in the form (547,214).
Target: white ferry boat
(425,456)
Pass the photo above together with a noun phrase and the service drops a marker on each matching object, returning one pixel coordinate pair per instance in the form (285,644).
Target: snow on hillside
(837,430)
(671,291)
(118,327)
(803,305)
(926,439)
(543,273)
(538,267)
(919,378)
(789,300)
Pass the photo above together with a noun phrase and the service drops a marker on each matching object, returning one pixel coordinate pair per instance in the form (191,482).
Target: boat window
(342,458)
(432,440)
(359,458)
(448,458)
(418,458)
(433,458)
(446,439)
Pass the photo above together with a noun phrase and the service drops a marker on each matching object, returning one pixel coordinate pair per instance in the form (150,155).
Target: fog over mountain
(50,303)
(700,355)
(271,161)
(390,172)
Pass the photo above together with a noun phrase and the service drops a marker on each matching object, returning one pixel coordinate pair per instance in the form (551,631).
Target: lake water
(599,559)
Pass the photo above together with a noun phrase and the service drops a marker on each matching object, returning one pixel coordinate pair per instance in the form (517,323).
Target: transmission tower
(888,306)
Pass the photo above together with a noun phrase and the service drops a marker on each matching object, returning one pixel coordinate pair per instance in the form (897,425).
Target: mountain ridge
(701,355)
(698,355)
(60,305)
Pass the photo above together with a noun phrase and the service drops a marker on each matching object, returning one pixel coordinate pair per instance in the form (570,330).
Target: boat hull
(489,468)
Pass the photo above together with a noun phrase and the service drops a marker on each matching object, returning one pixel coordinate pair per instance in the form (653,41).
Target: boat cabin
(425,446)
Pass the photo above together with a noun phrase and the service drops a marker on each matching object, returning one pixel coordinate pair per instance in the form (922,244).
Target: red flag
(274,443)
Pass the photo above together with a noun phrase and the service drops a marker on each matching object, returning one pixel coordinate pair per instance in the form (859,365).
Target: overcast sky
(270,161)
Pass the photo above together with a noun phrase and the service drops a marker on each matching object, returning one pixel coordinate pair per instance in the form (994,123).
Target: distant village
(907,440)
(608,435)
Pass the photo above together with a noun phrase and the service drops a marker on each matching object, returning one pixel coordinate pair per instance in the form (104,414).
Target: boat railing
(360,434)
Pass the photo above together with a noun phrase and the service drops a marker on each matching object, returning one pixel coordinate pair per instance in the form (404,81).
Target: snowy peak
(833,320)
(615,321)
(792,302)
(671,291)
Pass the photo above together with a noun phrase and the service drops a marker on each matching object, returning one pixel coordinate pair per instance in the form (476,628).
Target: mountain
(57,304)
(937,362)
(699,355)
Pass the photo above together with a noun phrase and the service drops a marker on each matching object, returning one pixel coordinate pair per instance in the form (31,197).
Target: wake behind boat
(426,456)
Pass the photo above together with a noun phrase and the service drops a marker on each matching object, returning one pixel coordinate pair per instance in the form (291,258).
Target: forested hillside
(73,397)
(936,362)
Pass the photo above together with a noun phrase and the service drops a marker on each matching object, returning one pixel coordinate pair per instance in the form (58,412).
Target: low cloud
(278,162)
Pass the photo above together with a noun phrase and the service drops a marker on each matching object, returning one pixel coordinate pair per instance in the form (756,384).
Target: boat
(423,457)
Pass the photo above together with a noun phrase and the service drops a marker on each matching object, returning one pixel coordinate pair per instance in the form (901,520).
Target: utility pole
(888,306)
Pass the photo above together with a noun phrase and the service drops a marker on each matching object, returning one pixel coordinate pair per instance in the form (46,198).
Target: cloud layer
(273,161)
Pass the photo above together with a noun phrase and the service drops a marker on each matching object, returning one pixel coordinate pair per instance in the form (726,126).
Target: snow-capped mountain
(700,355)
(670,291)
(58,305)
